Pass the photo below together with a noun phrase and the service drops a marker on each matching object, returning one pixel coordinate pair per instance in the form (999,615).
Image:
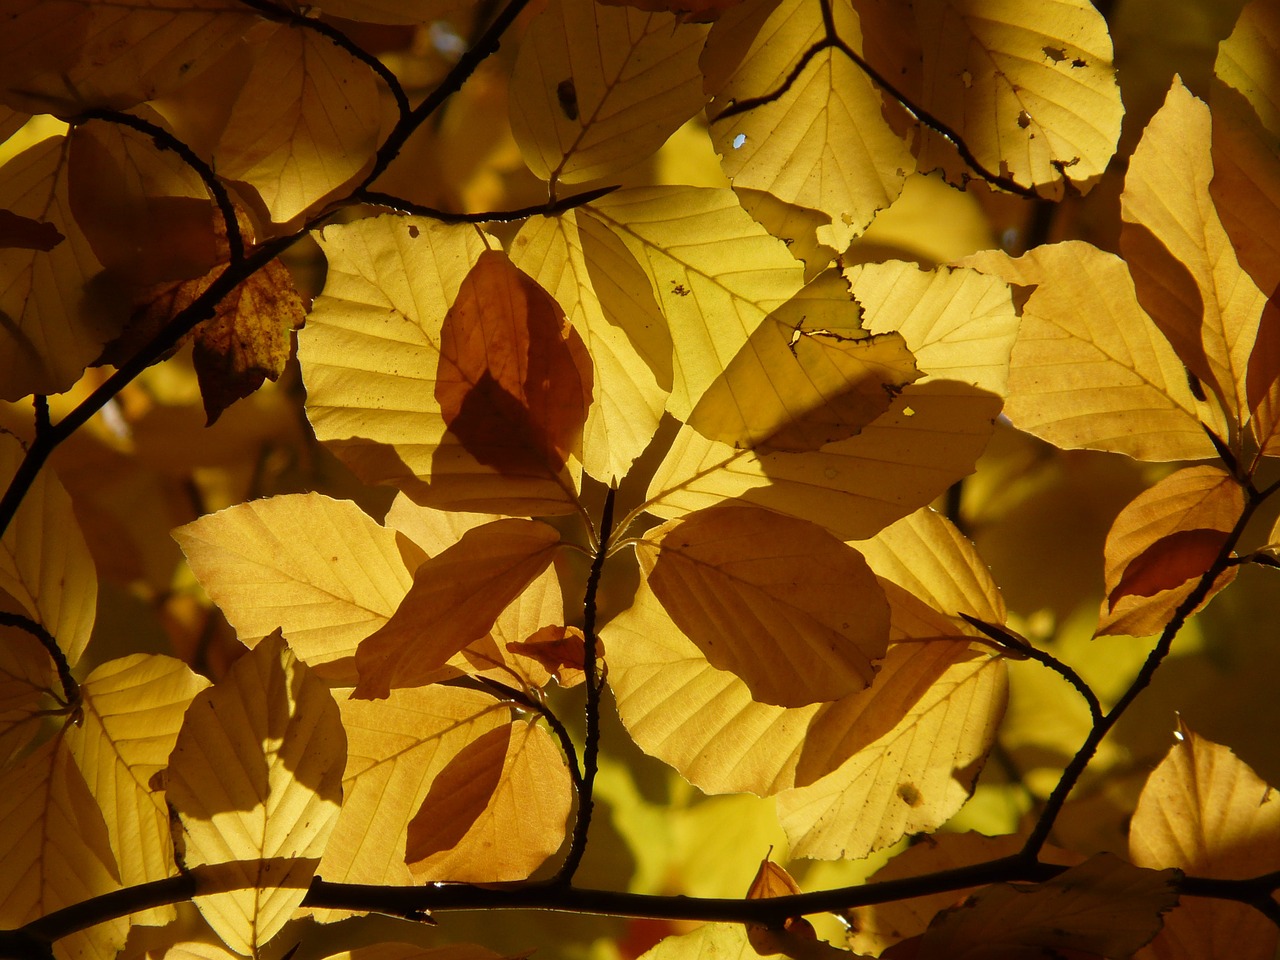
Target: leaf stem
(533,704)
(594,684)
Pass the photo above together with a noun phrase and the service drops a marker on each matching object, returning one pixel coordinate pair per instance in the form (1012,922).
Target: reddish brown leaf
(1169,562)
(514,383)
(26,233)
(560,650)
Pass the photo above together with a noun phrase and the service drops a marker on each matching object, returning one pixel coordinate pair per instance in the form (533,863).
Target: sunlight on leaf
(27,673)
(45,566)
(133,708)
(320,569)
(409,951)
(256,777)
(779,602)
(597,88)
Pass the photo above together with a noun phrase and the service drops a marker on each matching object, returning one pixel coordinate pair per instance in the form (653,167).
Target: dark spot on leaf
(1056,54)
(414,232)
(568,98)
(1024,119)
(909,795)
(679,289)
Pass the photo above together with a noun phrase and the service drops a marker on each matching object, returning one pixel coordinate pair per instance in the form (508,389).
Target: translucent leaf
(370,357)
(597,88)
(55,849)
(712,941)
(132,709)
(913,778)
(496,812)
(1162,543)
(796,937)
(608,300)
(27,674)
(320,569)
(52,328)
(1104,907)
(409,951)
(1185,271)
(394,11)
(823,144)
(1089,369)
(808,376)
(715,272)
(45,566)
(781,603)
(396,748)
(1206,812)
(256,778)
(306,121)
(460,593)
(66,56)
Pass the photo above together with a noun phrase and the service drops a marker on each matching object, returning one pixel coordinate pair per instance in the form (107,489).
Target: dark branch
(70,689)
(549,209)
(557,727)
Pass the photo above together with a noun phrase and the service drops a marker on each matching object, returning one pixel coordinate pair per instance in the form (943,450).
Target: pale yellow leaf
(1204,811)
(132,709)
(788,608)
(607,299)
(1162,543)
(55,850)
(370,354)
(715,272)
(911,779)
(396,747)
(65,56)
(1090,369)
(824,143)
(45,566)
(712,941)
(1103,907)
(1183,265)
(52,329)
(496,812)
(459,593)
(808,376)
(306,121)
(27,676)
(320,569)
(597,88)
(256,780)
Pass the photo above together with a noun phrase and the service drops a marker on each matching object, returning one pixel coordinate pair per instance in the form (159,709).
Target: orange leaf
(514,383)
(1169,562)
(559,649)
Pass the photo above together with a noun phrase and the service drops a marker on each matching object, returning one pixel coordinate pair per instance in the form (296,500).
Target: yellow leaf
(823,144)
(597,88)
(713,941)
(1089,369)
(52,328)
(1206,812)
(911,779)
(1103,907)
(256,779)
(320,569)
(1162,543)
(409,951)
(55,849)
(608,300)
(370,356)
(1184,268)
(66,56)
(396,748)
(495,812)
(27,674)
(460,593)
(779,602)
(808,376)
(306,121)
(45,566)
(132,710)
(715,272)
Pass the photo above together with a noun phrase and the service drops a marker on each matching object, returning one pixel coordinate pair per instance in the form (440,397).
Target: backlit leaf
(1206,812)
(715,272)
(455,598)
(1185,271)
(256,779)
(409,951)
(132,710)
(777,601)
(305,123)
(45,566)
(823,144)
(496,812)
(1104,907)
(1090,369)
(396,748)
(320,569)
(597,88)
(1162,543)
(394,11)
(27,674)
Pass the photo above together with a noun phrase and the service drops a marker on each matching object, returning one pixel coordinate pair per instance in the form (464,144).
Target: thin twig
(70,689)
(380,199)
(594,683)
(41,402)
(535,705)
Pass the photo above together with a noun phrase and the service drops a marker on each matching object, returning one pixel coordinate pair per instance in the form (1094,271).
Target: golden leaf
(27,675)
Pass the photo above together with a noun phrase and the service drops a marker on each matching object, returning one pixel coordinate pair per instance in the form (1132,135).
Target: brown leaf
(26,233)
(514,383)
(1169,562)
(560,650)
(699,11)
